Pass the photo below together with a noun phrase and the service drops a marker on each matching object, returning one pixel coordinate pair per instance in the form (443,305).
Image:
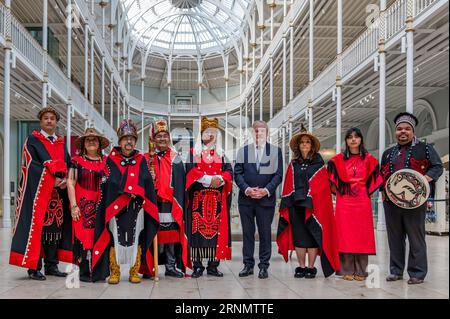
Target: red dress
(355,179)
(87,192)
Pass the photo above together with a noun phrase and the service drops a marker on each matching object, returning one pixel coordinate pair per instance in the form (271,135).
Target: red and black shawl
(197,167)
(319,219)
(341,181)
(170,178)
(42,162)
(124,177)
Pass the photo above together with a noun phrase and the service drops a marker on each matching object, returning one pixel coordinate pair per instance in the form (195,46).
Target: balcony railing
(32,55)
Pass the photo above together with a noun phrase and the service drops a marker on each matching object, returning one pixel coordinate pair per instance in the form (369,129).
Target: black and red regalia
(307,183)
(208,209)
(42,214)
(127,215)
(88,176)
(170,178)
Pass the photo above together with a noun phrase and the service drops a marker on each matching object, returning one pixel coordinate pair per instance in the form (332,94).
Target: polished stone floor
(281,283)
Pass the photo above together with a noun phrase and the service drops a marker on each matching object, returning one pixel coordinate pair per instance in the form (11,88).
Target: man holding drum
(414,167)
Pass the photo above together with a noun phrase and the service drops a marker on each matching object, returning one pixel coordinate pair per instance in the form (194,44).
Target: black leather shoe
(311,273)
(415,281)
(394,277)
(174,273)
(85,278)
(300,272)
(146,276)
(198,272)
(55,272)
(36,275)
(263,274)
(247,271)
(214,272)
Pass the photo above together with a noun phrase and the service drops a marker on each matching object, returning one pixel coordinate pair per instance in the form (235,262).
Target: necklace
(92,159)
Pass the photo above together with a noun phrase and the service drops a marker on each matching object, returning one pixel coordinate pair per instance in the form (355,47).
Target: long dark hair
(362,150)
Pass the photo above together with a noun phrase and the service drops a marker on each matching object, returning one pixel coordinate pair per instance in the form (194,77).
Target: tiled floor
(281,283)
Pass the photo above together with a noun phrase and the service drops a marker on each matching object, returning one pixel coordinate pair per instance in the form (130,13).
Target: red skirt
(354,223)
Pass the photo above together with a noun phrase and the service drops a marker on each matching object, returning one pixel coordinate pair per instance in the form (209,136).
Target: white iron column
(272,7)
(45,47)
(291,56)
(86,60)
(271,88)
(410,56)
(226,132)
(311,61)
(381,224)
(111,99)
(102,92)
(142,130)
(261,96)
(253,103)
(338,77)
(290,135)
(240,126)
(92,69)
(103,4)
(6,118)
(284,71)
(69,73)
(246,118)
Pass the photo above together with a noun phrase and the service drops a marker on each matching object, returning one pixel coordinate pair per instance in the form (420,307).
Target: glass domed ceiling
(192,27)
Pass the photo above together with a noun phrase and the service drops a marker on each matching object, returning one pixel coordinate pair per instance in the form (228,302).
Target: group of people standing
(100,212)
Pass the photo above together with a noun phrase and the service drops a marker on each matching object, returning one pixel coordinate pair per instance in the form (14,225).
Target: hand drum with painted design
(408,188)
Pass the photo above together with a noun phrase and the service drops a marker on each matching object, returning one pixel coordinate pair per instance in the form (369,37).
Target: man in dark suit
(258,172)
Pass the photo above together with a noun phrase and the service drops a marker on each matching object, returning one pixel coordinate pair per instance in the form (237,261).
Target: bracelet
(74,206)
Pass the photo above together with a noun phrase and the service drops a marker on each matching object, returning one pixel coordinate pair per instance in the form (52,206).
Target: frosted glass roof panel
(186,26)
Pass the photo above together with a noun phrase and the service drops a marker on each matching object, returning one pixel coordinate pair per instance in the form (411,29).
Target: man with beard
(401,223)
(169,179)
(127,216)
(208,183)
(43,221)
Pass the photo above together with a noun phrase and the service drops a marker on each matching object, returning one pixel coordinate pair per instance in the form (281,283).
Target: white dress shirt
(259,153)
(47,135)
(206,180)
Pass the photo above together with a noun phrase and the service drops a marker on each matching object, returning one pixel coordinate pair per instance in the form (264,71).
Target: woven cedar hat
(295,140)
(92,132)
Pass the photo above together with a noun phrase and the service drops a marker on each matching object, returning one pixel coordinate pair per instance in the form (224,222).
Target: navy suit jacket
(269,175)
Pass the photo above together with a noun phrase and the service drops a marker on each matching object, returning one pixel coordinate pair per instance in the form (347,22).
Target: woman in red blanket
(85,176)
(355,176)
(306,211)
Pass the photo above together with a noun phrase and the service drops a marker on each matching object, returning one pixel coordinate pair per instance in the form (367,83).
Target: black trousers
(198,264)
(50,256)
(402,223)
(264,217)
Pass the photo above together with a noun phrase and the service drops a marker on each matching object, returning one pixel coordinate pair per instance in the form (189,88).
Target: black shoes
(55,272)
(214,272)
(247,271)
(36,275)
(85,278)
(174,273)
(198,272)
(394,277)
(300,272)
(415,281)
(263,274)
(311,273)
